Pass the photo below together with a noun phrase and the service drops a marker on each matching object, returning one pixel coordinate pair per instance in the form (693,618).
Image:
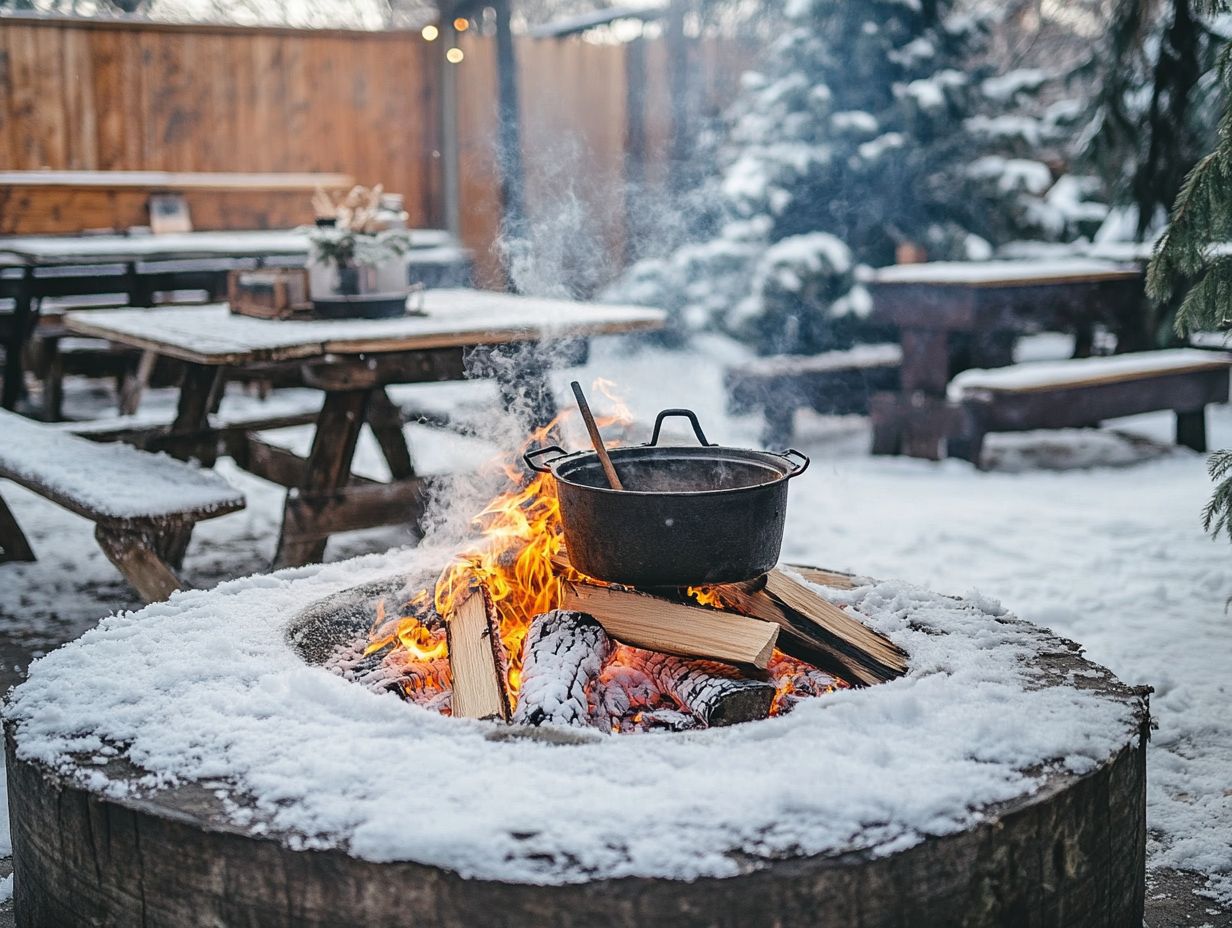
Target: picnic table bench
(955,315)
(1084,392)
(143,505)
(352,362)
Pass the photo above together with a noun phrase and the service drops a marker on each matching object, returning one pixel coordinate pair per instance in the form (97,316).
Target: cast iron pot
(687,515)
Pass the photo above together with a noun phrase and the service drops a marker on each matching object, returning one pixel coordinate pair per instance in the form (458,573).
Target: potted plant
(357,256)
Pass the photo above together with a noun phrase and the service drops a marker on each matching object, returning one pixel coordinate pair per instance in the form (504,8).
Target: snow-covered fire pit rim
(207,689)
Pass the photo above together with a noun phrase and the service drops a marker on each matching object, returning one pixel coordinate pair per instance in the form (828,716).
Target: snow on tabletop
(115,480)
(989,272)
(1033,374)
(206,687)
(451,314)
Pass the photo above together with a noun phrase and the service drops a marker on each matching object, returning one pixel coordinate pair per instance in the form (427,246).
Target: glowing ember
(521,563)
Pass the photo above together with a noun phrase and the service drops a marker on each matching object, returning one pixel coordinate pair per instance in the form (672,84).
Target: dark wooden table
(951,316)
(34,267)
(353,362)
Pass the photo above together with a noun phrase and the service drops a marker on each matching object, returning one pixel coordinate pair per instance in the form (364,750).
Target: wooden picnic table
(954,315)
(352,361)
(39,266)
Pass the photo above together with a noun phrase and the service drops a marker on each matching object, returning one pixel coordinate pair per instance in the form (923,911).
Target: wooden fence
(99,95)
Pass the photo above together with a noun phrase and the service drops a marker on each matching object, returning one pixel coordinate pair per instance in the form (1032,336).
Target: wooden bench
(833,383)
(1085,391)
(144,506)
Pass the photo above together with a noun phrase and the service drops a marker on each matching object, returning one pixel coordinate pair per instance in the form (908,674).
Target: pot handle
(686,413)
(800,468)
(531,456)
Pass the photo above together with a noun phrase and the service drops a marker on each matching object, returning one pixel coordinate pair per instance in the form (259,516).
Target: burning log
(715,693)
(476,659)
(562,659)
(659,624)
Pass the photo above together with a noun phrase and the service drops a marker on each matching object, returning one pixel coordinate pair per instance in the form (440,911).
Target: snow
(963,724)
(929,92)
(978,273)
(1013,174)
(1094,533)
(1004,87)
(1037,374)
(114,480)
(451,317)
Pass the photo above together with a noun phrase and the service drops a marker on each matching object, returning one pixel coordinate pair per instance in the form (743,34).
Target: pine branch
(1208,304)
(1217,516)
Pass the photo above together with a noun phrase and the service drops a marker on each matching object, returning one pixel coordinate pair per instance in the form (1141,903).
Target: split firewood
(818,575)
(563,656)
(875,647)
(476,659)
(715,693)
(824,635)
(659,624)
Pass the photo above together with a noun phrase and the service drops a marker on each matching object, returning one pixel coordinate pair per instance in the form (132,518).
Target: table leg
(385,420)
(13,543)
(23,322)
(135,384)
(328,470)
(192,413)
(922,413)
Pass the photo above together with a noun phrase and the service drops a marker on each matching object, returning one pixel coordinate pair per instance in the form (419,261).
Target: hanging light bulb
(430,33)
(461,24)
(454,55)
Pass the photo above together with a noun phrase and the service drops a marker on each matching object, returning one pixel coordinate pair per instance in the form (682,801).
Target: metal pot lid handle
(531,456)
(686,413)
(800,467)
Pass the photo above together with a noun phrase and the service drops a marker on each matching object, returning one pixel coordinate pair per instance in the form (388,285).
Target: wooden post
(1191,429)
(635,144)
(678,87)
(509,147)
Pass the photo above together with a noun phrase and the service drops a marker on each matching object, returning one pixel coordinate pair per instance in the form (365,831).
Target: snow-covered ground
(1094,534)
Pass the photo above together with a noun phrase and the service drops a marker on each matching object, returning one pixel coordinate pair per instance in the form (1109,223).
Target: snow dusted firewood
(716,693)
(564,653)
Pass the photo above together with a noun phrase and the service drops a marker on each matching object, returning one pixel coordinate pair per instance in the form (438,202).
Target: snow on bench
(1086,391)
(833,382)
(1078,372)
(144,505)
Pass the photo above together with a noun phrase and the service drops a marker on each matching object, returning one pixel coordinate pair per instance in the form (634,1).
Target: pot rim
(780,459)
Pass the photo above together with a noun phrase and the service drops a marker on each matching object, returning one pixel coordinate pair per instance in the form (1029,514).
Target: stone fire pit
(193,764)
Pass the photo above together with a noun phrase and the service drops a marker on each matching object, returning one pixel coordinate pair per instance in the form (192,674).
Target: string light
(430,33)
(454,55)
(461,24)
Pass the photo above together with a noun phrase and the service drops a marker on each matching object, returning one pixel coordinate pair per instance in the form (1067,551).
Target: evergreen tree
(1153,112)
(863,134)
(1193,258)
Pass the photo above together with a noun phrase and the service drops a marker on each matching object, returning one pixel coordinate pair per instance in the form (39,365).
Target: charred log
(714,693)
(563,656)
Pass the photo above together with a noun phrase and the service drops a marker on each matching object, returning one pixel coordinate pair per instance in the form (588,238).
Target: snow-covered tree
(1156,105)
(1193,259)
(864,134)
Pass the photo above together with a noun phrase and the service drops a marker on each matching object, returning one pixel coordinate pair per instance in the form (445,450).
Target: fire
(520,562)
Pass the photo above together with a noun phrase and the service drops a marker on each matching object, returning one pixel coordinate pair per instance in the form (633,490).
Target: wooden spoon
(595,439)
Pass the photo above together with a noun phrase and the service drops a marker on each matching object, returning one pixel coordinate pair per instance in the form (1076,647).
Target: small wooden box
(270,293)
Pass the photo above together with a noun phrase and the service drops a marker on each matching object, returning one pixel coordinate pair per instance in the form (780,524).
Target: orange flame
(520,561)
